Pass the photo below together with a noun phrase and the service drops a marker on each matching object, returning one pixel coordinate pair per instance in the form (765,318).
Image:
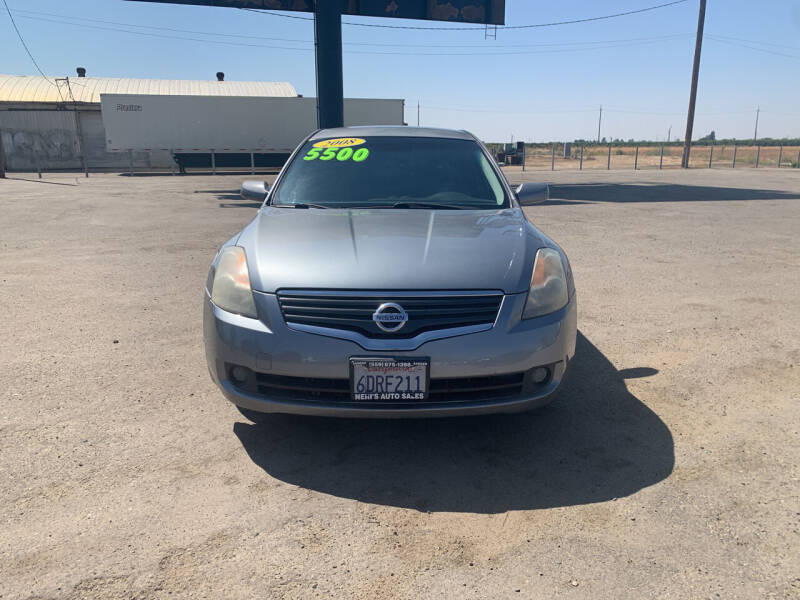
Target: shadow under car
(595,443)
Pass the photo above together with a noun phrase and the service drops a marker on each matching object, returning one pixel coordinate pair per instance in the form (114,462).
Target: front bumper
(267,346)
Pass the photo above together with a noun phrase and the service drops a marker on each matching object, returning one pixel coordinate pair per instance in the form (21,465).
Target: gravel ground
(668,467)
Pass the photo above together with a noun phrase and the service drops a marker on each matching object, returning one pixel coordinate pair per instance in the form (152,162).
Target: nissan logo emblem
(390,317)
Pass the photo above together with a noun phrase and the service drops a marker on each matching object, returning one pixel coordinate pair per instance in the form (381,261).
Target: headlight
(548,292)
(231,288)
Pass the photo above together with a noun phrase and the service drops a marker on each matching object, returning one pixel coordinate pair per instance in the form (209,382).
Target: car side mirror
(532,193)
(254,190)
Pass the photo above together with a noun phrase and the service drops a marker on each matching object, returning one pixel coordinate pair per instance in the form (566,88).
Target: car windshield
(391,172)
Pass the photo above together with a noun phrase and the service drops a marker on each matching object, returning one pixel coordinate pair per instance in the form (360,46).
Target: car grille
(353,312)
(441,391)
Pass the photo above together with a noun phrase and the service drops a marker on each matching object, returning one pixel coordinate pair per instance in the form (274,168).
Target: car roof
(393,131)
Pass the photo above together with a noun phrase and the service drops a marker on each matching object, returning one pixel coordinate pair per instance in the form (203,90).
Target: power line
(773,52)
(590,19)
(650,38)
(520,52)
(606,108)
(298,17)
(505,111)
(501,27)
(727,37)
(162,35)
(26,13)
(598,45)
(24,45)
(784,114)
(488,49)
(641,112)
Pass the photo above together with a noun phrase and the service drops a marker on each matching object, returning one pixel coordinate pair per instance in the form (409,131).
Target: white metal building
(56,123)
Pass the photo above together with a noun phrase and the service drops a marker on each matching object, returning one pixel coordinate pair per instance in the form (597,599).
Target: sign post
(328,50)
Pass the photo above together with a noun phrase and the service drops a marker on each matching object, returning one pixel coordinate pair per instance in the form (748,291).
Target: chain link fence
(577,156)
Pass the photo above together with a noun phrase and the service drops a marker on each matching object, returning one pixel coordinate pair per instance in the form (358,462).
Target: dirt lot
(668,467)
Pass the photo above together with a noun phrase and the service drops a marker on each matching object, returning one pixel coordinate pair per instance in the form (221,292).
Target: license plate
(389,379)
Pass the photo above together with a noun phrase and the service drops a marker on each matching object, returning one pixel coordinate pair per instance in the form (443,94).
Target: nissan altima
(390,272)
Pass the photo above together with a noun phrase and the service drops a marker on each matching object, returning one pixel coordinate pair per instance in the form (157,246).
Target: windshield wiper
(300,205)
(426,205)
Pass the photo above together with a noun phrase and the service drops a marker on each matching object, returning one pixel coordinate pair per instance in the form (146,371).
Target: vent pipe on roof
(81,72)
(220,76)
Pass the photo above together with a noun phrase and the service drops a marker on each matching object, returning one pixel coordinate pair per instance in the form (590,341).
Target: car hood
(390,249)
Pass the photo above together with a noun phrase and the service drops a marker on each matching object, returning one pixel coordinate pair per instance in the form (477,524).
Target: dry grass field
(624,157)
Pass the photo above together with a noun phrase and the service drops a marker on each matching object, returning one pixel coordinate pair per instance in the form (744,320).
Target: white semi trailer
(222,131)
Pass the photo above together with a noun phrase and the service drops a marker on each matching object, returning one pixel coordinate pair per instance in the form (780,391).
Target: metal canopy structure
(328,31)
(491,12)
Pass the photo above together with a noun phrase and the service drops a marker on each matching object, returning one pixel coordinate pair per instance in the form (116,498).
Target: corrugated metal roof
(28,88)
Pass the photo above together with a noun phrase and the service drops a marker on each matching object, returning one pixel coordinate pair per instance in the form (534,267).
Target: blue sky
(533,84)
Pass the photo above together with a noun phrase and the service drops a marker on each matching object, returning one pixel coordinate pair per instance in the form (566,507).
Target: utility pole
(698,46)
(417,113)
(755,135)
(669,132)
(599,121)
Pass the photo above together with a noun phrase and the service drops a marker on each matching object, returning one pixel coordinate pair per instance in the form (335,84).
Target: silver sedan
(390,272)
